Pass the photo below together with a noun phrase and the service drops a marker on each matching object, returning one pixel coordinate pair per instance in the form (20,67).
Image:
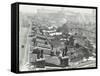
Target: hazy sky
(34,8)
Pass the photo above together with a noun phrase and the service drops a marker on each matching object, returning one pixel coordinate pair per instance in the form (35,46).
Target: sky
(33,9)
